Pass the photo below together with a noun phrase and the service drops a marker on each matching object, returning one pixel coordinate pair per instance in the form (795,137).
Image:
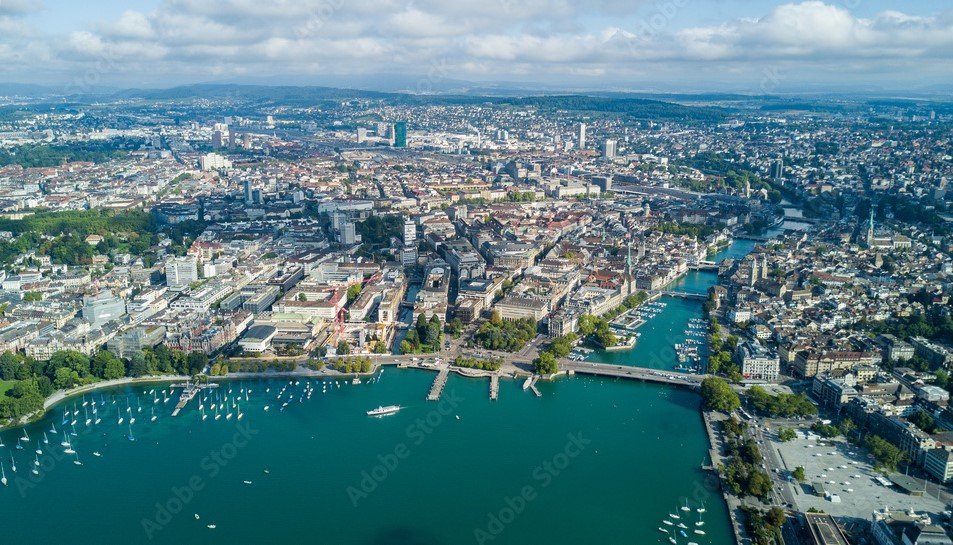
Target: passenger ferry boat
(384,411)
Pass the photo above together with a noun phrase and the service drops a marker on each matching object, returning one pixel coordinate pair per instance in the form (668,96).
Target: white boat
(663,530)
(700,532)
(97,454)
(667,522)
(3,476)
(686,507)
(384,411)
(211,526)
(702,508)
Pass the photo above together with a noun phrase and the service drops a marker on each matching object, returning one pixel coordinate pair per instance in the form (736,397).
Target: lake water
(591,461)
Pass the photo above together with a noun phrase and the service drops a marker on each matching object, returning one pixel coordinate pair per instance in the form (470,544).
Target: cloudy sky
(740,45)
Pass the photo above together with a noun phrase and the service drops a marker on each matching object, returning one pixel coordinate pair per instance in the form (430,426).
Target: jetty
(190,390)
(494,386)
(438,384)
(533,387)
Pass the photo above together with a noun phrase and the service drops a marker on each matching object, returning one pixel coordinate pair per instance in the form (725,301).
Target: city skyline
(758,47)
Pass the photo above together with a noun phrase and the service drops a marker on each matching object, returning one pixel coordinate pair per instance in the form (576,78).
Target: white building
(181,271)
(757,362)
(213,161)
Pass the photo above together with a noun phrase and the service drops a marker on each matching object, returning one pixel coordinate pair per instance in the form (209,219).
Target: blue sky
(751,46)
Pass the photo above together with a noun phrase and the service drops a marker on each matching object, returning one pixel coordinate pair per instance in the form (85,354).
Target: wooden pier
(438,384)
(494,387)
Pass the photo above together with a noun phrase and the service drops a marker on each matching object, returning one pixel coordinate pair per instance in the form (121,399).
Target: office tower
(217,139)
(400,134)
(246,141)
(581,137)
(349,234)
(181,271)
(232,136)
(248,195)
(361,135)
(777,169)
(610,149)
(410,232)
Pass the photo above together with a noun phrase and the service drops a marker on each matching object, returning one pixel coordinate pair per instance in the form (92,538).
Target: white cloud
(543,40)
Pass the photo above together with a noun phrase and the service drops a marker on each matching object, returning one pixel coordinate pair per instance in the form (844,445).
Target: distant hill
(639,108)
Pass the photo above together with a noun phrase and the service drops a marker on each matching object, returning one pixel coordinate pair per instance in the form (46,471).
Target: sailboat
(69,447)
(702,508)
(686,507)
(3,476)
(139,405)
(38,449)
(240,413)
(131,437)
(36,466)
(53,429)
(76,461)
(153,415)
(217,415)
(46,440)
(25,438)
(13,464)
(86,414)
(96,414)
(202,410)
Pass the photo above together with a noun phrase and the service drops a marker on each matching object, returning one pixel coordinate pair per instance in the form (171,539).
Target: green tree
(786,434)
(798,474)
(343,347)
(545,364)
(717,395)
(353,291)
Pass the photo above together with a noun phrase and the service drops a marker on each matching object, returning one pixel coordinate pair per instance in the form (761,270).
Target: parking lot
(845,471)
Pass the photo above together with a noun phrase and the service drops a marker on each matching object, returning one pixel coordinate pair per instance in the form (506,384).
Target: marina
(321,443)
